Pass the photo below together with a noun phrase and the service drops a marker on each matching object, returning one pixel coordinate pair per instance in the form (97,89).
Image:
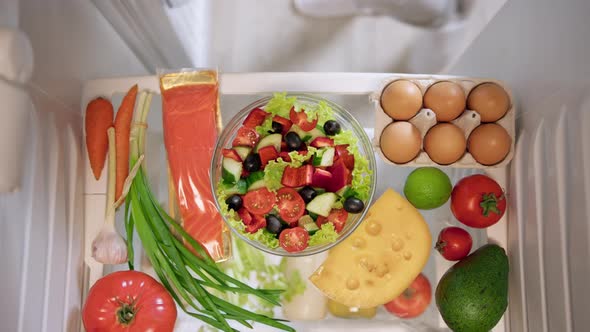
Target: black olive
(234,202)
(277,128)
(331,127)
(273,224)
(252,162)
(293,141)
(307,193)
(353,205)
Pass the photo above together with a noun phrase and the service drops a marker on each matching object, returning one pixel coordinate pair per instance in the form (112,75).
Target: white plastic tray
(239,88)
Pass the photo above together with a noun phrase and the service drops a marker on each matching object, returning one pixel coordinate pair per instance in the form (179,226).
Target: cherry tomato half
(246,137)
(454,243)
(478,201)
(337,217)
(128,301)
(294,239)
(291,205)
(301,120)
(413,301)
(259,202)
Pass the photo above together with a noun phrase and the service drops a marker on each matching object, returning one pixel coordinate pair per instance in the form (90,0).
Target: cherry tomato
(413,301)
(294,239)
(337,217)
(291,205)
(300,119)
(454,243)
(129,301)
(478,201)
(231,154)
(259,201)
(255,118)
(246,137)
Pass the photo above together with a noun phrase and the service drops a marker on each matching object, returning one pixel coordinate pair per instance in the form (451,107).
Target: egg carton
(426,119)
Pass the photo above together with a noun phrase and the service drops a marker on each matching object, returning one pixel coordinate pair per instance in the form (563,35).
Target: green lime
(428,188)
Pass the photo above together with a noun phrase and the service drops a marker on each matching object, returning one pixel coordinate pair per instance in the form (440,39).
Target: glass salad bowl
(324,159)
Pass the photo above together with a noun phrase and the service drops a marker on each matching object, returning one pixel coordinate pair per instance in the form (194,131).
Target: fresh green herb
(187,275)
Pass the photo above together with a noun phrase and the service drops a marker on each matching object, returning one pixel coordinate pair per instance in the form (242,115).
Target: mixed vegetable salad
(292,175)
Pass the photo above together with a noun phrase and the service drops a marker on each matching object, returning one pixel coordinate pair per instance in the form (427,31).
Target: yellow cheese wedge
(380,259)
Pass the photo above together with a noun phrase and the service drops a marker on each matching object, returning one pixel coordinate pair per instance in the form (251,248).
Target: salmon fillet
(190,114)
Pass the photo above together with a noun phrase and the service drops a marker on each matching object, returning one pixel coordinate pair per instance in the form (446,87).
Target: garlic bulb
(109,247)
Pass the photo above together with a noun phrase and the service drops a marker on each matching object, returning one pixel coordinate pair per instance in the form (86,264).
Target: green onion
(187,275)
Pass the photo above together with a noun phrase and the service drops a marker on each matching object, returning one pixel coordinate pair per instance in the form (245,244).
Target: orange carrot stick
(122,132)
(99,117)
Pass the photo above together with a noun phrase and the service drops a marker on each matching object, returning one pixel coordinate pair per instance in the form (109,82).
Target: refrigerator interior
(539,48)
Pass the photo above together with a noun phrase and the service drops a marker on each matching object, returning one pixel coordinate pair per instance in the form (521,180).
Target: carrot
(122,132)
(99,117)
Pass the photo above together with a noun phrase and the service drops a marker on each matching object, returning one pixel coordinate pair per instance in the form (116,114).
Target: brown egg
(400,142)
(401,99)
(446,100)
(490,100)
(445,143)
(489,144)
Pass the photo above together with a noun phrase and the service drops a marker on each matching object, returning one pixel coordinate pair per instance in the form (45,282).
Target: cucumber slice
(306,219)
(324,157)
(343,191)
(272,139)
(256,180)
(257,185)
(231,170)
(322,204)
(313,215)
(307,136)
(311,228)
(239,188)
(327,157)
(243,151)
(254,177)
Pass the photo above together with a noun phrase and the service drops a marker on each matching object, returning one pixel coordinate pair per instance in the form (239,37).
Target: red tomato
(291,205)
(255,118)
(294,239)
(232,154)
(246,137)
(337,217)
(454,243)
(260,201)
(413,301)
(284,122)
(478,201)
(300,119)
(129,301)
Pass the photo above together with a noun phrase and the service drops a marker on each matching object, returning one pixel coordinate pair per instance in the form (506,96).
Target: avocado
(473,294)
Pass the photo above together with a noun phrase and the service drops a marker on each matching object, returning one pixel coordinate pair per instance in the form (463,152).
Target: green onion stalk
(187,275)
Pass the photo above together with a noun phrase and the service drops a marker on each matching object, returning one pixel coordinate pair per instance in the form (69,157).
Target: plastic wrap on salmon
(191,124)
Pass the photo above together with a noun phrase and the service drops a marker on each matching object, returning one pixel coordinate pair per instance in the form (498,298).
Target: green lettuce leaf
(361,182)
(265,127)
(326,234)
(280,104)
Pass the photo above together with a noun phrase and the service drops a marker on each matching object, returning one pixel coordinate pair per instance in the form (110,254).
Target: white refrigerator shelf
(255,84)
